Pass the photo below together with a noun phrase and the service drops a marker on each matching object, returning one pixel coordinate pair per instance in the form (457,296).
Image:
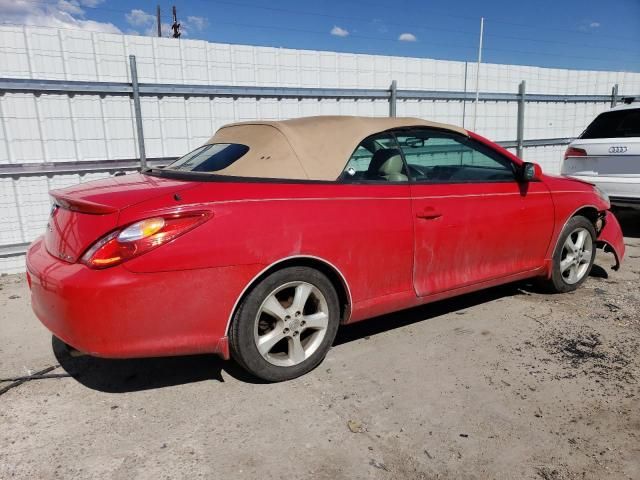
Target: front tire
(573,256)
(286,324)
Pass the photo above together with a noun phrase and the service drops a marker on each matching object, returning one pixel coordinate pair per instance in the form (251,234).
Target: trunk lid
(84,213)
(618,157)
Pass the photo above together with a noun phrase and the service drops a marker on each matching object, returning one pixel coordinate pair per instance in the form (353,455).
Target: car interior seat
(387,164)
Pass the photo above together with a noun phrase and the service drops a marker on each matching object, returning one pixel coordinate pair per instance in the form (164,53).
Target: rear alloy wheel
(574,255)
(286,324)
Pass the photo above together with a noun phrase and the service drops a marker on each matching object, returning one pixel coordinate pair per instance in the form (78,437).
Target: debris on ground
(355,426)
(378,465)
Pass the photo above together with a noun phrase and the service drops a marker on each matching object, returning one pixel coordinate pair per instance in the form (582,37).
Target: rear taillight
(575,152)
(139,238)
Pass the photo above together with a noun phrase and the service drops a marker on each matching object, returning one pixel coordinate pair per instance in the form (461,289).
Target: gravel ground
(505,383)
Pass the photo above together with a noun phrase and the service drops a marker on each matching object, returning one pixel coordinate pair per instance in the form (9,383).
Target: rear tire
(573,256)
(286,324)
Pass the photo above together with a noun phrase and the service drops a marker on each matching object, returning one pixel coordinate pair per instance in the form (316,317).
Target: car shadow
(598,272)
(629,221)
(391,321)
(131,375)
(136,374)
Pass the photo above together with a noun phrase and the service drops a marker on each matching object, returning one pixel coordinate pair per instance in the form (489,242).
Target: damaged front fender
(611,239)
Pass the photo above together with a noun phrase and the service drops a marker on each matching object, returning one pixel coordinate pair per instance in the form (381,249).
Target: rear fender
(611,239)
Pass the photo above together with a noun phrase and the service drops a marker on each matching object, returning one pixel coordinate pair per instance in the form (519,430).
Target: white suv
(607,154)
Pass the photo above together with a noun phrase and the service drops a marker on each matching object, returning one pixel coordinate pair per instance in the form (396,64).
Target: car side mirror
(530,172)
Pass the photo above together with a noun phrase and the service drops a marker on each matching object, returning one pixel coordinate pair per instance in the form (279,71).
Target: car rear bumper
(611,238)
(116,313)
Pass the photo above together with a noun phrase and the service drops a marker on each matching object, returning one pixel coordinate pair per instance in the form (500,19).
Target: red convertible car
(260,243)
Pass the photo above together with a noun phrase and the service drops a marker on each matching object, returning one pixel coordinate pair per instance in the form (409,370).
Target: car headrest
(392,166)
(381,157)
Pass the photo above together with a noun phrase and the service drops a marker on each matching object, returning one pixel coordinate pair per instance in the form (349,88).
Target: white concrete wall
(54,127)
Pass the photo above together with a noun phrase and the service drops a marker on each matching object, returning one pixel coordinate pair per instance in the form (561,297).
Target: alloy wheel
(576,255)
(291,323)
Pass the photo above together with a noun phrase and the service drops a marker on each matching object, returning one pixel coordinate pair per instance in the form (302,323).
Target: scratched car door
(473,221)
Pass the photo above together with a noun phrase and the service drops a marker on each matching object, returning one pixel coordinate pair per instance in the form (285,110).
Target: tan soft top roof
(313,148)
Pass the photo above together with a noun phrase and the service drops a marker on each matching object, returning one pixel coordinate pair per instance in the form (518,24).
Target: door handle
(429,214)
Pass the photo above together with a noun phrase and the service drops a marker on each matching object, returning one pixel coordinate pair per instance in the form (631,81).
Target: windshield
(209,158)
(615,124)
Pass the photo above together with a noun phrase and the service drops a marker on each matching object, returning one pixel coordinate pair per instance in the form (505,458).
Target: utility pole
(475,108)
(175,26)
(158,21)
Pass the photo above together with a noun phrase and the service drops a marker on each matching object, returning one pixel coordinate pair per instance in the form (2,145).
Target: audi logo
(617,149)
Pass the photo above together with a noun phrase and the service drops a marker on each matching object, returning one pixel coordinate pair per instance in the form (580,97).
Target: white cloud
(407,37)
(139,18)
(72,14)
(63,14)
(199,23)
(71,7)
(91,3)
(588,26)
(339,32)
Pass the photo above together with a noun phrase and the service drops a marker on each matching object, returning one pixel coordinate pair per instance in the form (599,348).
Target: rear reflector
(575,152)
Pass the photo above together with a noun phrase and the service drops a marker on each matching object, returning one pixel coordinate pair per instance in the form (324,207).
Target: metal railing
(136,90)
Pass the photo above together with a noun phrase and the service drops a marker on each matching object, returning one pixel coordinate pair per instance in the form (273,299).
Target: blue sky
(587,34)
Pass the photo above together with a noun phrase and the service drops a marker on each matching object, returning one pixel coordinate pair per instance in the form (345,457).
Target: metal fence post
(464,101)
(521,100)
(614,95)
(393,93)
(138,112)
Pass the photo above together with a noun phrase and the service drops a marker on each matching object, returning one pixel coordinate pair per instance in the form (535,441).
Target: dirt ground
(507,383)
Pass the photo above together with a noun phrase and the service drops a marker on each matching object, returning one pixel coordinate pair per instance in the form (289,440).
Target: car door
(376,210)
(473,220)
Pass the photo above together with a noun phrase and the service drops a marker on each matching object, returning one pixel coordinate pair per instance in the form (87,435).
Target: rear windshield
(209,158)
(620,123)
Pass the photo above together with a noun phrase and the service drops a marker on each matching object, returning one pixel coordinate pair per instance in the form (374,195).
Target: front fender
(611,239)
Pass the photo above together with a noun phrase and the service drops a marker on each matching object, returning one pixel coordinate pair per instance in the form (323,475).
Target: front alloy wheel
(576,255)
(573,256)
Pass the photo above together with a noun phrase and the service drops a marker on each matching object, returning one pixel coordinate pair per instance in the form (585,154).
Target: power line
(331,16)
(565,31)
(325,32)
(447,13)
(430,43)
(54,3)
(404,25)
(554,42)
(386,39)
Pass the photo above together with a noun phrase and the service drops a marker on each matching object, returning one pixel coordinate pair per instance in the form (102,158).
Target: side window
(441,157)
(376,159)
